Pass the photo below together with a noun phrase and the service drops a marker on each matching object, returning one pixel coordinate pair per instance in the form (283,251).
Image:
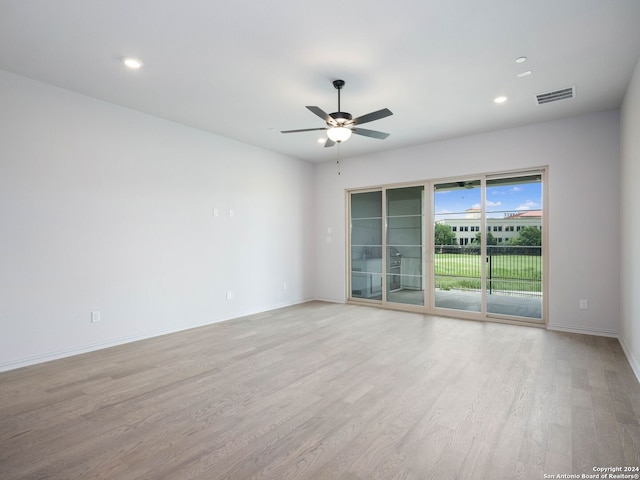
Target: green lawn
(508,272)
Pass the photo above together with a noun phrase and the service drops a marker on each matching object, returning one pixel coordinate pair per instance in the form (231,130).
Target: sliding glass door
(399,252)
(457,253)
(487,250)
(484,236)
(514,251)
(405,245)
(366,245)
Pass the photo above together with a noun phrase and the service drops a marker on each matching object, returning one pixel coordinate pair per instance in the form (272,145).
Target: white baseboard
(633,361)
(69,352)
(342,302)
(600,332)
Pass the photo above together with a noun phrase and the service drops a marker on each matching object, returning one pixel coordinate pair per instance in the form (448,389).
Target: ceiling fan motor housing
(340,117)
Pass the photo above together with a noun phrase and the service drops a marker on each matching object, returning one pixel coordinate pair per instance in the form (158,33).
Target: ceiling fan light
(339,134)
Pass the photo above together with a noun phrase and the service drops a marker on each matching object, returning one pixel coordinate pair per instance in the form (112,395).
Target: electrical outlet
(284,286)
(584,304)
(95,317)
(229,295)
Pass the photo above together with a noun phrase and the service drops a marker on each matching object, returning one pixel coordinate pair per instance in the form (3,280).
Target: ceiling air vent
(556,95)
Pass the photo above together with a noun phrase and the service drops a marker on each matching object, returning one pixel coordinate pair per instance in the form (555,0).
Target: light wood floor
(326,391)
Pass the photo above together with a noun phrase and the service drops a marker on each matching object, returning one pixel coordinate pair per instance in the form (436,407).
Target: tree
(444,235)
(528,236)
(491,240)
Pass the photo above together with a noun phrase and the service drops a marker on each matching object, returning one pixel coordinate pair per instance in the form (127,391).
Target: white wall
(583,158)
(107,209)
(630,231)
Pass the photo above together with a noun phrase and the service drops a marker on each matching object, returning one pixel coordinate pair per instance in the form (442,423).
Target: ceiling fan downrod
(338,84)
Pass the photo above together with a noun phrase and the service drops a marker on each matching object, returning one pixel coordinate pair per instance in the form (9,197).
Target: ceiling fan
(340,125)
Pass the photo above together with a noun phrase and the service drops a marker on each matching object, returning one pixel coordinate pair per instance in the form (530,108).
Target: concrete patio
(505,303)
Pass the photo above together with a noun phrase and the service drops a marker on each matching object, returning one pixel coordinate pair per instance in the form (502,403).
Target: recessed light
(133,63)
(500,99)
(521,59)
(524,74)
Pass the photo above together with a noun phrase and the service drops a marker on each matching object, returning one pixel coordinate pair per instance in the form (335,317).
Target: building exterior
(502,229)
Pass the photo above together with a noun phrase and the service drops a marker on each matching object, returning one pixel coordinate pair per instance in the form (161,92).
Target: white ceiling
(246,69)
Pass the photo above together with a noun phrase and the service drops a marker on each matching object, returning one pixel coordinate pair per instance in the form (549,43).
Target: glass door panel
(514,246)
(405,245)
(366,245)
(457,259)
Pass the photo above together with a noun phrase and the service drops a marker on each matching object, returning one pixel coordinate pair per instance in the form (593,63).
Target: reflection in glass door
(405,245)
(366,245)
(457,259)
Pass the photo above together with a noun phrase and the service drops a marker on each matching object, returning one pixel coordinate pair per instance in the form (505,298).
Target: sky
(501,199)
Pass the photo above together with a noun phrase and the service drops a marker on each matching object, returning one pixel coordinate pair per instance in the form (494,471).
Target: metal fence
(511,270)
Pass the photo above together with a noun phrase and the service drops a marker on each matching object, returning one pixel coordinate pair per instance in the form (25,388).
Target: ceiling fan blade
(329,143)
(370,117)
(322,114)
(302,130)
(370,133)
